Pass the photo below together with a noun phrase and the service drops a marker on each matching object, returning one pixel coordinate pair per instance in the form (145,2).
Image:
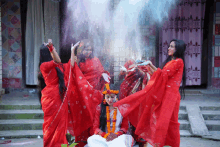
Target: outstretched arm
(54,53)
(73,57)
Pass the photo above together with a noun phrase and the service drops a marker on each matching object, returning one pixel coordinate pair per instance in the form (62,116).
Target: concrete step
(21,124)
(204,108)
(211,115)
(19,107)
(185,133)
(21,134)
(184,125)
(183,115)
(213,125)
(38,114)
(21,114)
(182,107)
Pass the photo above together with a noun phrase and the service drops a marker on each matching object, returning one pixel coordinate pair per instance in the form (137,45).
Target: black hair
(103,117)
(45,56)
(180,47)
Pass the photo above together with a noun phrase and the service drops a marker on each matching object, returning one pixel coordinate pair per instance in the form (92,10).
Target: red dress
(133,82)
(92,69)
(55,111)
(76,112)
(82,102)
(159,104)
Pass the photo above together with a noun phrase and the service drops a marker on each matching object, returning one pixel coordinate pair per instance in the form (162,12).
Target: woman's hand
(106,77)
(146,63)
(111,137)
(73,57)
(74,47)
(53,52)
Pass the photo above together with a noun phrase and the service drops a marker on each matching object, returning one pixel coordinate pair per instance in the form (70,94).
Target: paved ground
(185,142)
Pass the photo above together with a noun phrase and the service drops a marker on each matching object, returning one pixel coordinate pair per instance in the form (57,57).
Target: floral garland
(108,121)
(109,91)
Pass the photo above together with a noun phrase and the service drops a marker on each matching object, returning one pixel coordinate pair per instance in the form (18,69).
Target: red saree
(82,102)
(158,102)
(77,110)
(92,69)
(55,111)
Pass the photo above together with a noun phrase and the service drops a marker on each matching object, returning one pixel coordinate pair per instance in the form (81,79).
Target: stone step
(184,125)
(211,115)
(213,125)
(21,114)
(21,134)
(203,108)
(21,124)
(183,115)
(185,133)
(19,107)
(182,107)
(38,114)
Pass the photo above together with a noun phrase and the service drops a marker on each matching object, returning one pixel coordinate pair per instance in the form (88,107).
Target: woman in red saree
(53,101)
(68,101)
(91,66)
(159,101)
(95,77)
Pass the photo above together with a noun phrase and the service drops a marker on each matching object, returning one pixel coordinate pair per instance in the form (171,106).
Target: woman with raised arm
(52,96)
(94,73)
(91,66)
(158,122)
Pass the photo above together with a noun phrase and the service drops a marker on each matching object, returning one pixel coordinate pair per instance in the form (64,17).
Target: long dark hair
(103,117)
(180,47)
(45,56)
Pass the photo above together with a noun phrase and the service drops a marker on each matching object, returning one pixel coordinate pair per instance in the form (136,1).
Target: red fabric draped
(132,79)
(77,110)
(92,69)
(55,111)
(82,102)
(158,104)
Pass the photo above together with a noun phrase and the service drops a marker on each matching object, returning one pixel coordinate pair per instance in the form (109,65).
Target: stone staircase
(211,117)
(21,121)
(184,123)
(25,121)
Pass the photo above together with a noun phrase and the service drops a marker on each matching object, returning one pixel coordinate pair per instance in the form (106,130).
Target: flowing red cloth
(92,69)
(134,81)
(159,104)
(55,111)
(82,103)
